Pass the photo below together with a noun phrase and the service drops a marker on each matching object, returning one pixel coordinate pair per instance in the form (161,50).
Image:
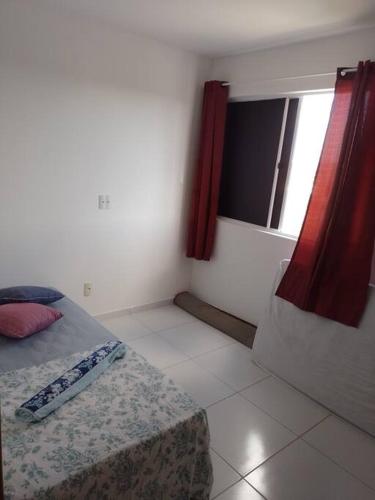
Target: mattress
(74,332)
(132,434)
(331,362)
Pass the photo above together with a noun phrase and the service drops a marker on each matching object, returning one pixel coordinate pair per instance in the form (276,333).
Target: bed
(132,434)
(331,362)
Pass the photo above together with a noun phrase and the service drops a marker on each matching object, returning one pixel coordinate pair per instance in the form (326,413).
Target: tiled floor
(268,440)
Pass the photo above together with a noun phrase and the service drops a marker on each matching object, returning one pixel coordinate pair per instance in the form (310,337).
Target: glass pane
(311,128)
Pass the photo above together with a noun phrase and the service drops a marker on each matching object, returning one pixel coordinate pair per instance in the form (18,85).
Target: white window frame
(287,96)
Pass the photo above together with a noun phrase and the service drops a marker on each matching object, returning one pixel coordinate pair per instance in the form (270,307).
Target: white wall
(85,109)
(240,275)
(249,72)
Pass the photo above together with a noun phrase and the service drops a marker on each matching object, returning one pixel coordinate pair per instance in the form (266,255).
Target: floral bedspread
(132,434)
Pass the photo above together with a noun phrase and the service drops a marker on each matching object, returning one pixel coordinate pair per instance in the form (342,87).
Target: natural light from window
(311,128)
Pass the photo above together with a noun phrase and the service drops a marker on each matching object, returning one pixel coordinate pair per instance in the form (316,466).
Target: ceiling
(219,27)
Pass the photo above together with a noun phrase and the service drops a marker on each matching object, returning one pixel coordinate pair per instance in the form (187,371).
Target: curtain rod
(314,75)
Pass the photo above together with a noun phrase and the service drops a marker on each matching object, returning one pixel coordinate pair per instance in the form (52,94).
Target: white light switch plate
(101,202)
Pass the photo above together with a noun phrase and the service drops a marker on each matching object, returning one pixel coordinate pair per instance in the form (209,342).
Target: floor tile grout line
(214,376)
(243,476)
(251,486)
(226,461)
(315,425)
(268,414)
(128,316)
(283,448)
(266,376)
(157,367)
(237,392)
(216,497)
(279,421)
(229,465)
(195,320)
(226,489)
(220,400)
(231,386)
(193,358)
(134,338)
(337,463)
(171,345)
(257,382)
(233,342)
(190,356)
(169,328)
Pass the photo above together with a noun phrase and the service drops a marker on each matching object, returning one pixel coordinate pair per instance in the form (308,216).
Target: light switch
(107,202)
(101,202)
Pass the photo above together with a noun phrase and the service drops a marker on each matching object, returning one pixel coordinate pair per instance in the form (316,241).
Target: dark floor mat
(235,327)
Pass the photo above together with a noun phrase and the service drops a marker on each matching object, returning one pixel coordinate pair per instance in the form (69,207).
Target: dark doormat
(235,327)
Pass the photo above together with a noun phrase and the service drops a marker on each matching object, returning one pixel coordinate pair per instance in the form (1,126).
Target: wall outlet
(87,289)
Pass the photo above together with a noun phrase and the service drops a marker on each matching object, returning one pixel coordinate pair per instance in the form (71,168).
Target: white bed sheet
(331,362)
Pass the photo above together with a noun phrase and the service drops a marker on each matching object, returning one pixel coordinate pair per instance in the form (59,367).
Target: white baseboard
(133,309)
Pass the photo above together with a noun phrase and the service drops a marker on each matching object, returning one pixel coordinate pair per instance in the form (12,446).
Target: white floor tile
(224,476)
(157,351)
(301,473)
(233,365)
(125,327)
(196,338)
(290,407)
(162,318)
(346,445)
(244,435)
(241,491)
(204,387)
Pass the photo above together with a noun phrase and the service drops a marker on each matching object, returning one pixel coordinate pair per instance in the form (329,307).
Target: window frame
(288,96)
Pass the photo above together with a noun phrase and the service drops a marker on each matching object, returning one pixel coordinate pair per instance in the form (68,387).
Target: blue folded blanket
(71,382)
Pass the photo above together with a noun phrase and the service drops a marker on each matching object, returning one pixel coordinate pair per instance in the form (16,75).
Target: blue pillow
(37,294)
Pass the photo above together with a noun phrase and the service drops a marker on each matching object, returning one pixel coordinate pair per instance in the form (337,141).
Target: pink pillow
(23,319)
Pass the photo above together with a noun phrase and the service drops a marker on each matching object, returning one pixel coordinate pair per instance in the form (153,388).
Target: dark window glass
(251,146)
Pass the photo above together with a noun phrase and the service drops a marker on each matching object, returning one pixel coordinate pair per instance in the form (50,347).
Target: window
(311,128)
(271,152)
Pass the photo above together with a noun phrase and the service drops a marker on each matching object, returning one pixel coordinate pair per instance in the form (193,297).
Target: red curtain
(205,198)
(331,264)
